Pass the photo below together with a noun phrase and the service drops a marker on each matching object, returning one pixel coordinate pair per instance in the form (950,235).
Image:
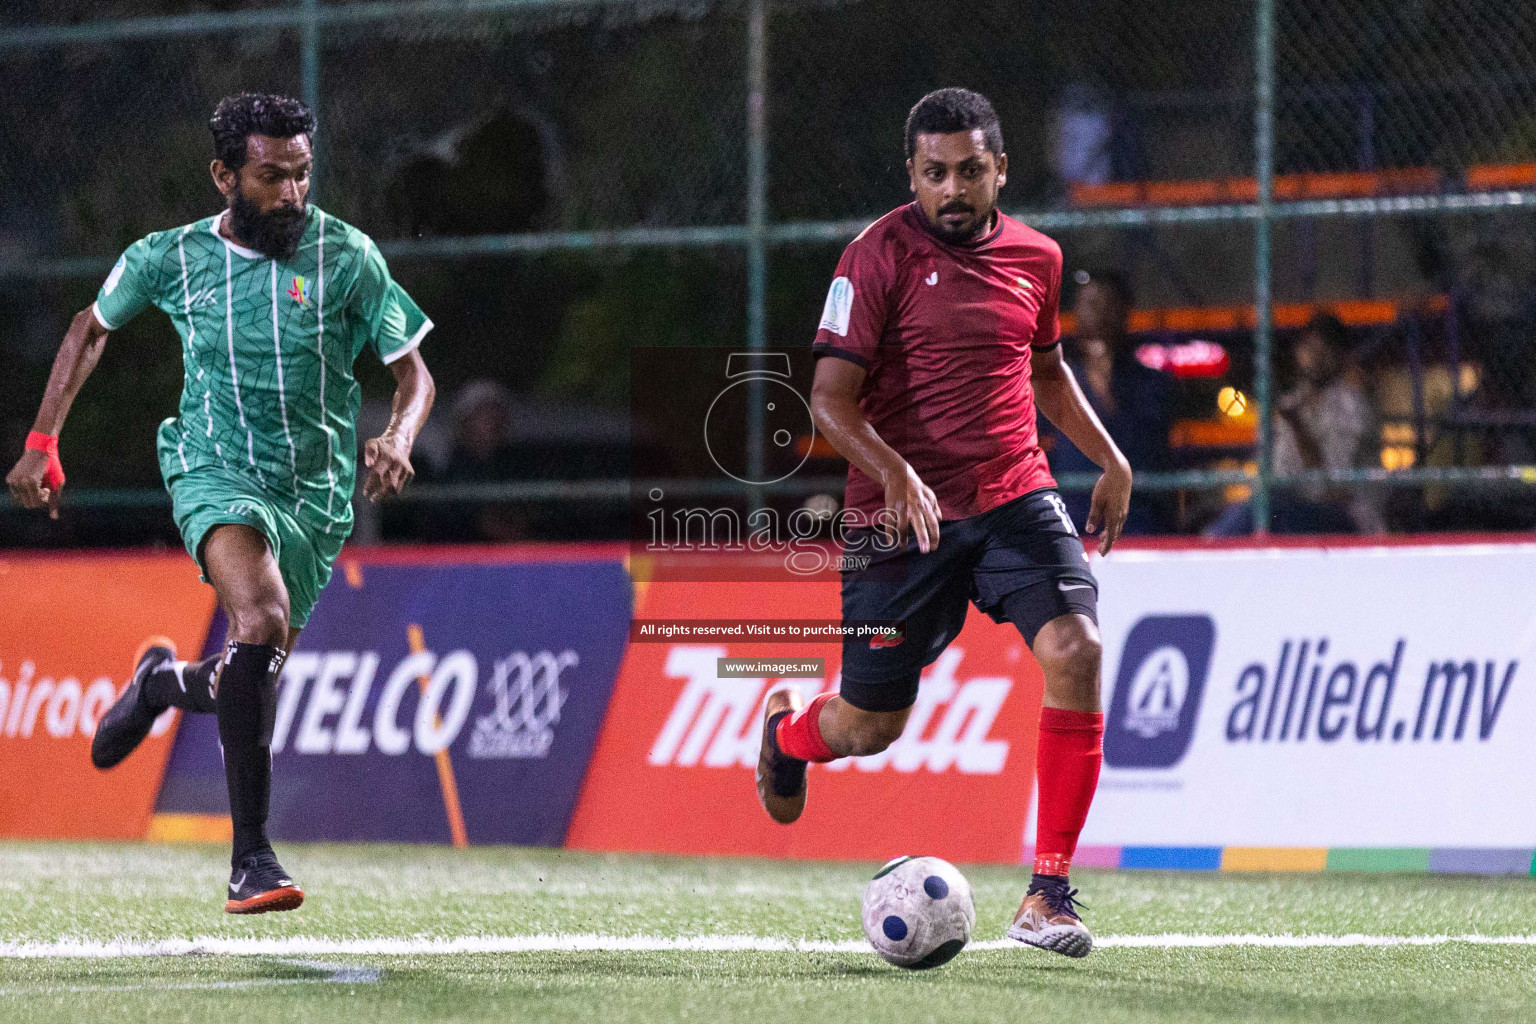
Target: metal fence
(1238,157)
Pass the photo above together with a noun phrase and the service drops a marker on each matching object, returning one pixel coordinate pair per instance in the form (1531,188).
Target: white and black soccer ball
(918,912)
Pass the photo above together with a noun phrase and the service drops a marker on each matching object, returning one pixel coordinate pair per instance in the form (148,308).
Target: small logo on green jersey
(300,290)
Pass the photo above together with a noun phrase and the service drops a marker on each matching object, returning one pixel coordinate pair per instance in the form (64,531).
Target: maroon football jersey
(946,333)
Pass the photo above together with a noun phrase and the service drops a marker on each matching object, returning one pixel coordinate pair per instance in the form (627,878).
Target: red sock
(799,734)
(1067,772)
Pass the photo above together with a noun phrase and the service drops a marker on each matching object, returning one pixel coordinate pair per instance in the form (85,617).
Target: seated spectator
(482,448)
(1133,401)
(482,452)
(1324,422)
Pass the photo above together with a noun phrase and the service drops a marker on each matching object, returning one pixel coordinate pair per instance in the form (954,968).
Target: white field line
(346,974)
(426,946)
(156,986)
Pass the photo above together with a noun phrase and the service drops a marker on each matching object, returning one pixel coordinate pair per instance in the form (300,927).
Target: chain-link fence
(562,181)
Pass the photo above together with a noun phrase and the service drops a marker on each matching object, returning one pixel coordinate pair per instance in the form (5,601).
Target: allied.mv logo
(1158,692)
(1152,714)
(528,698)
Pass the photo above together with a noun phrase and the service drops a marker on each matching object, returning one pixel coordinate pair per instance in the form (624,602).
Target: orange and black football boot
(780,778)
(1048,919)
(259,884)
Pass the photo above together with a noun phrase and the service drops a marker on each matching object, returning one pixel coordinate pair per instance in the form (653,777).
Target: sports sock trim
(799,734)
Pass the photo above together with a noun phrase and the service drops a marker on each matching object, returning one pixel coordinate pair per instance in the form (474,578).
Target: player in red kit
(939,338)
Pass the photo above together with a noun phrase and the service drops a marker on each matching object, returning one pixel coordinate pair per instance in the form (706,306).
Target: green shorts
(210,496)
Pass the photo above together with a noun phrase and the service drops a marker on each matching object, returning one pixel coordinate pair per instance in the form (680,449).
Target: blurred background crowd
(484,150)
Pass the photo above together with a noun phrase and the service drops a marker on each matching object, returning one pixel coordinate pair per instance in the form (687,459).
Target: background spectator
(482,452)
(1134,402)
(1324,421)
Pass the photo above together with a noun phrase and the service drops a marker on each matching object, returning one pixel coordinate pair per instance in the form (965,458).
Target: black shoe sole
(124,726)
(119,734)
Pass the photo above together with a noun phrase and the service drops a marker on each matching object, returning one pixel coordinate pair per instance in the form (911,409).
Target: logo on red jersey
(838,311)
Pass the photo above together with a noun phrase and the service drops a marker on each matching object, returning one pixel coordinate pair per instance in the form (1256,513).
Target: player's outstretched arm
(1064,404)
(835,408)
(37,478)
(388,456)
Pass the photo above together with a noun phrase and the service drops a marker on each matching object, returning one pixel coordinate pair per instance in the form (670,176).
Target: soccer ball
(918,912)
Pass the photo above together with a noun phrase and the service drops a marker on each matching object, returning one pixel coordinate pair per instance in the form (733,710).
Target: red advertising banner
(69,626)
(674,765)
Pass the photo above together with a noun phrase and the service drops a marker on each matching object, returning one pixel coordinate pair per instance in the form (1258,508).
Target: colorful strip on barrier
(1451,861)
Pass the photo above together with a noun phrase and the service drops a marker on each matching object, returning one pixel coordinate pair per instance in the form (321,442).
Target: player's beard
(275,233)
(970,233)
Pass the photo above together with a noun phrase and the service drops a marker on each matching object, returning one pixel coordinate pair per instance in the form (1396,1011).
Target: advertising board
(433,702)
(1323,698)
(69,626)
(674,768)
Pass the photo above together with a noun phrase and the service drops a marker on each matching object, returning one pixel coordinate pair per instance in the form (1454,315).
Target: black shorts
(1025,554)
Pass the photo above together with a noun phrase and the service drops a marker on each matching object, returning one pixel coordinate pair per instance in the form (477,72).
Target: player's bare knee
(1071,655)
(871,733)
(261,622)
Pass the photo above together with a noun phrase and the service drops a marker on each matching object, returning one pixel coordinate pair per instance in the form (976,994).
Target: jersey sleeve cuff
(840,353)
(1046,348)
(96,312)
(414,343)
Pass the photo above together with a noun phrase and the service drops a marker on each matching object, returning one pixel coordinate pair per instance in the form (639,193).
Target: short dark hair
(1106,277)
(1330,328)
(237,118)
(954,110)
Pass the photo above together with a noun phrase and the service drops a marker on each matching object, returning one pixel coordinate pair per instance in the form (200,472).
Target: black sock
(1039,881)
(247,709)
(190,689)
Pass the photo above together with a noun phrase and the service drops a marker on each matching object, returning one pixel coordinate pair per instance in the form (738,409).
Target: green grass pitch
(51,893)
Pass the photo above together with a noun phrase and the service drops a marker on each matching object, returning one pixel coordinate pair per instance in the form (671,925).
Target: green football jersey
(268,348)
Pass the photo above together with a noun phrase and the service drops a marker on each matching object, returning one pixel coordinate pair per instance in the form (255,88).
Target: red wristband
(53,476)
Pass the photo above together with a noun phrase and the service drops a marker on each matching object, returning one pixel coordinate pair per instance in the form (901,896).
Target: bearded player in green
(274,301)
